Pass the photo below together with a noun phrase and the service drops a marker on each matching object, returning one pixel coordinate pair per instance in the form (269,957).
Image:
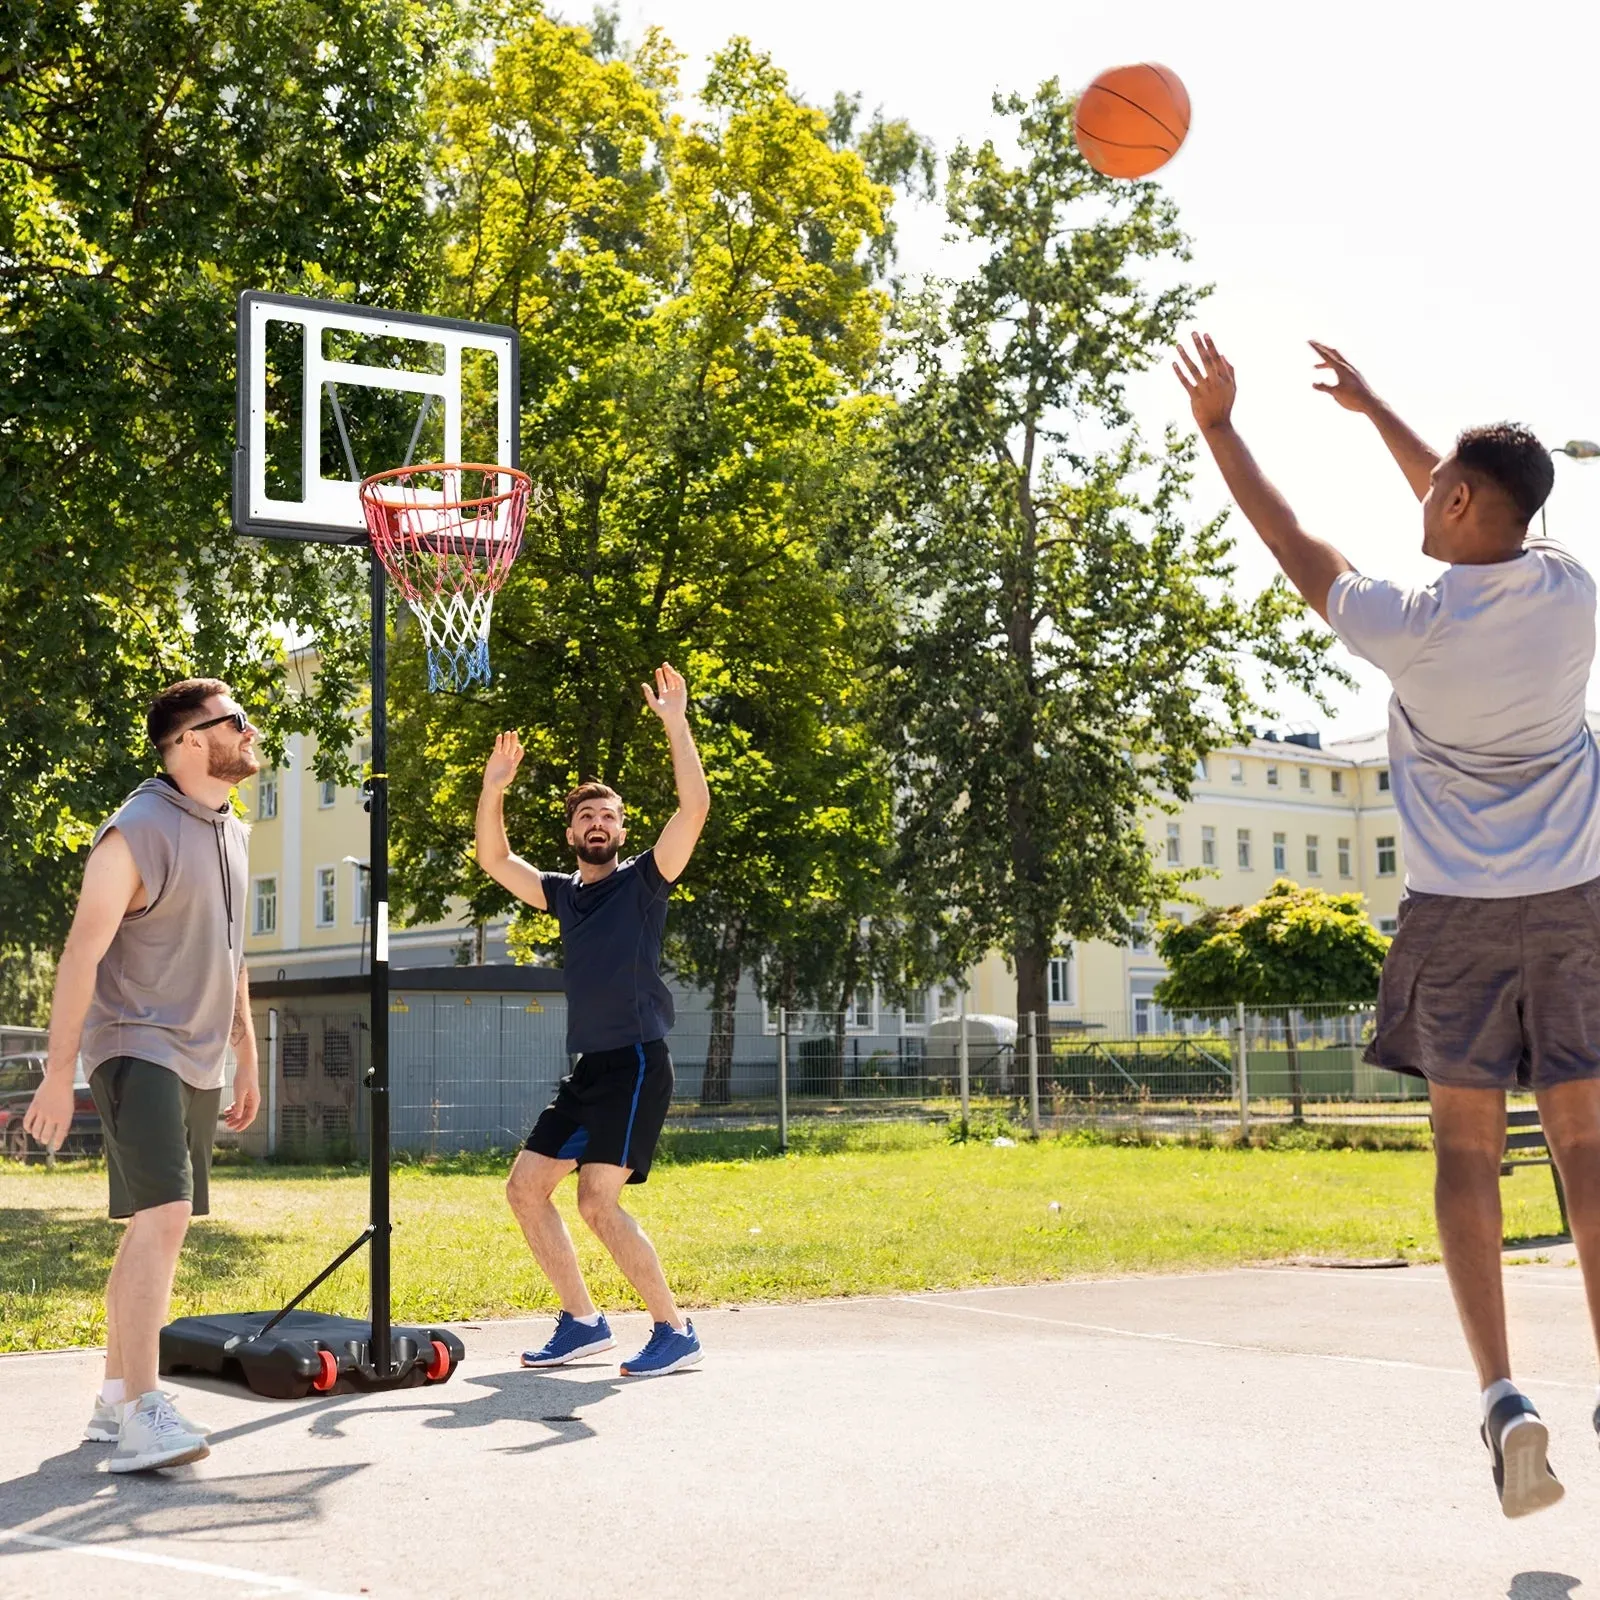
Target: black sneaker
(1518,1439)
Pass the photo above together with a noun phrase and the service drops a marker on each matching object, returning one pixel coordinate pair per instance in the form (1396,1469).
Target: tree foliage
(700,326)
(1071,643)
(156,157)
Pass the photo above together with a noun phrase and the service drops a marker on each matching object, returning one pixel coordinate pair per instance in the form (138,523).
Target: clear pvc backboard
(330,394)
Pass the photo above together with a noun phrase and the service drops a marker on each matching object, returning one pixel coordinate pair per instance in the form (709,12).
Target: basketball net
(447,536)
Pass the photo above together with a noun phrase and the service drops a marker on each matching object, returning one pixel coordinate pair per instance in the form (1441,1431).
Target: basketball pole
(378,888)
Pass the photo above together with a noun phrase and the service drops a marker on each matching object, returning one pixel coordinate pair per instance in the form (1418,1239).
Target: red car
(19,1077)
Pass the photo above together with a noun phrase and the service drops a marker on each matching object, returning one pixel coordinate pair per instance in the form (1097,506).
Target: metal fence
(473,1071)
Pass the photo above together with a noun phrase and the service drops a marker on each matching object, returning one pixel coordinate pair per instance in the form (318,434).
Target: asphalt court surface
(1267,1432)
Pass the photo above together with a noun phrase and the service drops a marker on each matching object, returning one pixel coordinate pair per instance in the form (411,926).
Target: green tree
(1070,644)
(700,323)
(156,157)
(1294,947)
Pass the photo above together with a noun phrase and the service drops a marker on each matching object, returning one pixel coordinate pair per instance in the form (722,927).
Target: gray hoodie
(165,989)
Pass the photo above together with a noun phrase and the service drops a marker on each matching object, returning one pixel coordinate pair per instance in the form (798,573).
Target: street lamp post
(1576,450)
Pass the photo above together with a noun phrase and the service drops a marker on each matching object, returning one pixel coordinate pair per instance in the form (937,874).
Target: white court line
(264,1582)
(1218,1344)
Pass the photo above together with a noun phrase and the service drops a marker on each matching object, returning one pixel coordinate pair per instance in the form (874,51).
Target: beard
(598,855)
(232,766)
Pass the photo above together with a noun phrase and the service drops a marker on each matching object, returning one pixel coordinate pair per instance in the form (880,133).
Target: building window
(361,898)
(1140,937)
(364,753)
(267,797)
(1208,847)
(1272,777)
(859,1015)
(1344,858)
(1061,981)
(1200,770)
(1236,772)
(1313,856)
(327,897)
(1280,852)
(1305,779)
(916,1009)
(327,793)
(1336,782)
(1174,845)
(1244,849)
(1386,856)
(265,916)
(1383,780)
(1389,926)
(949,1002)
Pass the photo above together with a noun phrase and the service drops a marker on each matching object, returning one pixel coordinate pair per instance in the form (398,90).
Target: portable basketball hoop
(447,536)
(320,386)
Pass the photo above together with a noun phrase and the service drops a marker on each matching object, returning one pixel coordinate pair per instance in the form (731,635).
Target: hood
(175,796)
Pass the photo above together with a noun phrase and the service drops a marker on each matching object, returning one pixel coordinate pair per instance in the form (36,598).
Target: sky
(1414,182)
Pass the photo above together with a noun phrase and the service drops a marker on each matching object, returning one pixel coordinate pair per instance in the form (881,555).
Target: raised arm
(111,888)
(1414,457)
(670,701)
(1310,564)
(494,849)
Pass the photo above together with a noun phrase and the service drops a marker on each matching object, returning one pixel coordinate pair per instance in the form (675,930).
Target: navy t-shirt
(611,954)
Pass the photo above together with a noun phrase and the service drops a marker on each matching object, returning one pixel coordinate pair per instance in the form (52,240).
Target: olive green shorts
(158,1135)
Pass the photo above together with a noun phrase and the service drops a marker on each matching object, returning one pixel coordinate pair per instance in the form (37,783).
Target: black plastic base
(292,1360)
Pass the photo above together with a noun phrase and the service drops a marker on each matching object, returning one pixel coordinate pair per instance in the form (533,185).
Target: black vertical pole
(378,889)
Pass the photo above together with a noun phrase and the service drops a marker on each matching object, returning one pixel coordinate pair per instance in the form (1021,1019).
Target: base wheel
(327,1373)
(442,1365)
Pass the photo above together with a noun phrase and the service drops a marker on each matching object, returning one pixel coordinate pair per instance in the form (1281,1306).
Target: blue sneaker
(570,1341)
(667,1351)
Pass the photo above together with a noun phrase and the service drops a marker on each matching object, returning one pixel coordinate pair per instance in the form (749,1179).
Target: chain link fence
(472,1072)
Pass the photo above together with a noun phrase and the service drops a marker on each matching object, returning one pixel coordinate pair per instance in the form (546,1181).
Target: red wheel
(327,1371)
(442,1364)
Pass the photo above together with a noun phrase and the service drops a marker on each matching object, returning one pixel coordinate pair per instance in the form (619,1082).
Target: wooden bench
(1523,1132)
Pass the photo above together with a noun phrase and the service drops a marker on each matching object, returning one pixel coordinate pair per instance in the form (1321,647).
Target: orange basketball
(1131,120)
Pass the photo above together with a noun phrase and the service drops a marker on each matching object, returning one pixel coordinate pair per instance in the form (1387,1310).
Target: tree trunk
(849,977)
(1032,959)
(716,1088)
(1297,1099)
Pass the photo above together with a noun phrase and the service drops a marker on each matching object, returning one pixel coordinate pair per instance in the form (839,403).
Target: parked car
(19,1077)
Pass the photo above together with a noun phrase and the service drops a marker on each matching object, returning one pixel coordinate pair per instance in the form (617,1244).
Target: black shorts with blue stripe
(609,1109)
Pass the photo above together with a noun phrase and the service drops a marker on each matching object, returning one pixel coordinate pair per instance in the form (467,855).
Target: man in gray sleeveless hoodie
(150,990)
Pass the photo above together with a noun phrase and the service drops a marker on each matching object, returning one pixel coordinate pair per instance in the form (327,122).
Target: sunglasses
(239,720)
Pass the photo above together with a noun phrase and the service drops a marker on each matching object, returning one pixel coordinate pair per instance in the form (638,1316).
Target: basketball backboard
(330,393)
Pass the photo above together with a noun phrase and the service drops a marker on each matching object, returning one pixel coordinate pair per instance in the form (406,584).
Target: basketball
(1131,120)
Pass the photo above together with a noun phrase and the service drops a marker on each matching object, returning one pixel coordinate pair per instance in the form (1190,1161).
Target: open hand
(49,1115)
(501,767)
(670,697)
(1208,381)
(1349,388)
(246,1100)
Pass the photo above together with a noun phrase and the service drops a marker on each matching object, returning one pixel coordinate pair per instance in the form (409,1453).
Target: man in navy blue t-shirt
(608,1112)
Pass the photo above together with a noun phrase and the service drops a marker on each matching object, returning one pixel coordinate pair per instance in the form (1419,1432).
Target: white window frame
(1383,780)
(323,880)
(1388,926)
(1174,844)
(1236,772)
(1061,979)
(1305,779)
(261,927)
(267,796)
(1208,846)
(1280,852)
(852,1018)
(1336,781)
(1202,772)
(1272,774)
(1346,860)
(1313,855)
(1244,852)
(1385,845)
(1141,942)
(327,794)
(360,896)
(930,1005)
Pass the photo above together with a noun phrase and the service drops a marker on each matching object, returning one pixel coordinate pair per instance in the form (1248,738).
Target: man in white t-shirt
(1493,980)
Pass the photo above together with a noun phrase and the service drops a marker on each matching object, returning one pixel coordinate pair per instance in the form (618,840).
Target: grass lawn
(849,1211)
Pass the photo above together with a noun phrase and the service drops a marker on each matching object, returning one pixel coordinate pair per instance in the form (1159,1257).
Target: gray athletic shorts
(158,1134)
(1493,994)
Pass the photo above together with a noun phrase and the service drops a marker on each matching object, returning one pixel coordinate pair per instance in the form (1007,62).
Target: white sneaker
(105,1425)
(153,1435)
